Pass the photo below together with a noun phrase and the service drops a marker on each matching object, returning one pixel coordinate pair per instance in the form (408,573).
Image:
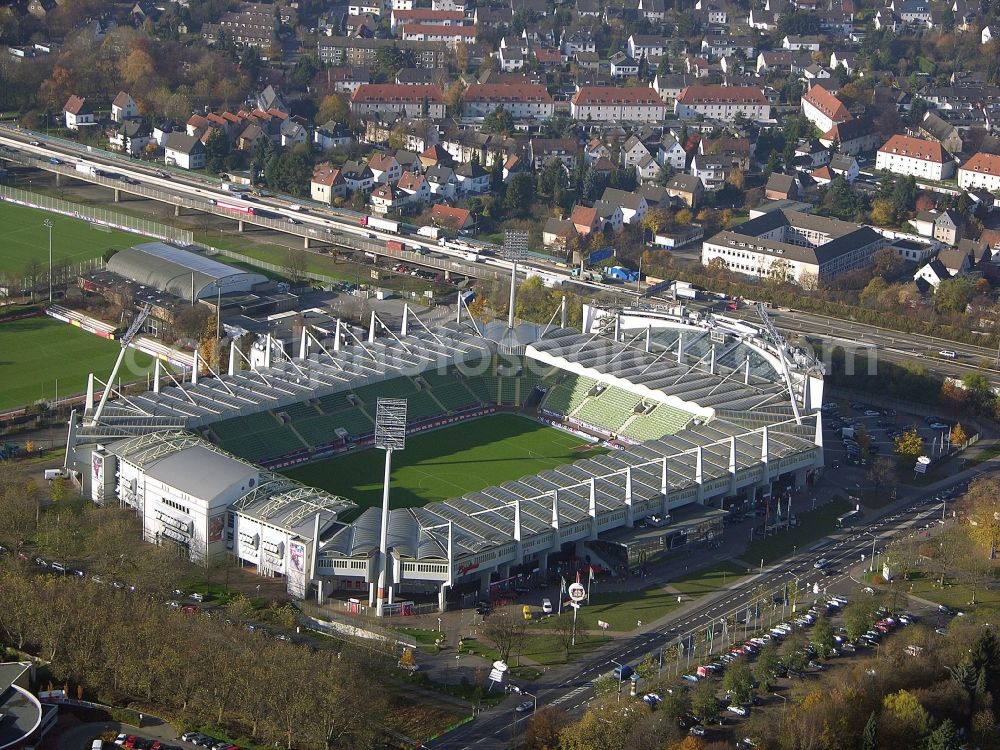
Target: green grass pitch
(23,238)
(448,462)
(35,352)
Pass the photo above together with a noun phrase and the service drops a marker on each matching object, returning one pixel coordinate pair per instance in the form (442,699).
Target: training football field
(448,462)
(41,356)
(23,237)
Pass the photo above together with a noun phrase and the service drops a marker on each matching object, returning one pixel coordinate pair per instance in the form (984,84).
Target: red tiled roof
(454,217)
(381,162)
(75,105)
(507,92)
(616,95)
(121,100)
(326,174)
(410,181)
(389,93)
(827,103)
(914,148)
(583,216)
(983,163)
(439,30)
(721,95)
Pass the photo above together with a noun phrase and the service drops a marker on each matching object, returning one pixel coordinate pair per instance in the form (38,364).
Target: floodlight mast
(126,339)
(515,248)
(390,435)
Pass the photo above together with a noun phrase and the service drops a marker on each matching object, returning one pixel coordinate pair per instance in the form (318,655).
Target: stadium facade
(703,414)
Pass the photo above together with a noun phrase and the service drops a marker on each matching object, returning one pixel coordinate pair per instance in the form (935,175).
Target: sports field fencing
(99,216)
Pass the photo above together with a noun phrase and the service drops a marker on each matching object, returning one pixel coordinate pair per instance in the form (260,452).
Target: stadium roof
(289,505)
(185,461)
(286,382)
(180,272)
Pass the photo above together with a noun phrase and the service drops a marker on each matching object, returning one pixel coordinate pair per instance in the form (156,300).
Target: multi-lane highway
(572,688)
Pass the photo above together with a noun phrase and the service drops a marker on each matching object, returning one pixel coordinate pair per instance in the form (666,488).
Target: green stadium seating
(484,386)
(300,410)
(335,402)
(454,396)
(320,430)
(568,395)
(251,423)
(610,410)
(663,420)
(393,388)
(508,390)
(421,405)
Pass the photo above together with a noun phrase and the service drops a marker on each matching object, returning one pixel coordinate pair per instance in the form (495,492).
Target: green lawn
(449,462)
(812,526)
(954,594)
(23,238)
(35,353)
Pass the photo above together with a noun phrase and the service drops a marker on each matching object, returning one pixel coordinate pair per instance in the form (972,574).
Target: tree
(333,107)
(544,727)
(216,149)
(945,737)
(519,194)
(981,506)
(882,213)
(738,681)
(704,704)
(605,727)
(498,121)
(858,618)
(953,295)
(869,739)
(295,264)
(765,668)
(880,471)
(958,436)
(903,722)
(822,637)
(909,445)
(505,631)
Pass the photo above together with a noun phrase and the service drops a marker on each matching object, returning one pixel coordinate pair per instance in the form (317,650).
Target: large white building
(521,100)
(981,172)
(388,98)
(904,155)
(823,109)
(803,248)
(722,103)
(609,103)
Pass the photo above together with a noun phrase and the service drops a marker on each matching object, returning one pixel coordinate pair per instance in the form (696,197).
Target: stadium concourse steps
(308,425)
(611,409)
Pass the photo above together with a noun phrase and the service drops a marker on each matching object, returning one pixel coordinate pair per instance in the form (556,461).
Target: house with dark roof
(781,187)
(942,131)
(856,136)
(686,188)
(130,137)
(357,176)
(184,151)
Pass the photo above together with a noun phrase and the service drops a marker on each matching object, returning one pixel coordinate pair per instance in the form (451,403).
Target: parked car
(697,730)
(526,707)
(622,672)
(738,710)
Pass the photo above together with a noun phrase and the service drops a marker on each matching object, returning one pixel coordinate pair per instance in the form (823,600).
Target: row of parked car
(211,743)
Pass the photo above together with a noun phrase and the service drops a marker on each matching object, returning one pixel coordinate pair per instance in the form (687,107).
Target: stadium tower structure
(707,414)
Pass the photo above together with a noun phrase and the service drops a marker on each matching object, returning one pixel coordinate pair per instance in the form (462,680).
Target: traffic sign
(602,625)
(577,592)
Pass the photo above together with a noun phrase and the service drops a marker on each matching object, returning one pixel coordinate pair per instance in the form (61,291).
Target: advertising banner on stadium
(296,568)
(216,527)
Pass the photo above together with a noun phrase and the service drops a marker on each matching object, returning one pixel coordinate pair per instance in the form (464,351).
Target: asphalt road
(572,688)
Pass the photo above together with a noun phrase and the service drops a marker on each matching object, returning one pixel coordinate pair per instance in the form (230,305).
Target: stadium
(646,430)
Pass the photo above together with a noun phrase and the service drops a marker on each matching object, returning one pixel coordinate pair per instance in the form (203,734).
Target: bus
(848,518)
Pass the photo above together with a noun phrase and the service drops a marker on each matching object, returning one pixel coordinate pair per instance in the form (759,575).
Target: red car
(129,742)
(190,609)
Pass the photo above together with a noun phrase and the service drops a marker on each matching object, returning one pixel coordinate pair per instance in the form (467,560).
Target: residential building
(711,170)
(184,151)
(410,101)
(332,135)
(252,25)
(522,101)
(846,166)
(632,205)
(796,43)
(722,103)
(904,155)
(948,227)
(450,36)
(414,187)
(649,46)
(78,113)
(442,182)
(123,107)
(612,103)
(342,51)
(623,66)
(823,109)
(942,131)
(130,137)
(981,172)
(809,250)
(357,176)
(385,168)
(543,150)
(327,184)
(385,198)
(671,154)
(781,187)
(425,17)
(452,218)
(472,178)
(855,136)
(687,188)
(633,151)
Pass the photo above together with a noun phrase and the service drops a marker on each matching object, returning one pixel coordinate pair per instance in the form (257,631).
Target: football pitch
(448,462)
(24,238)
(39,355)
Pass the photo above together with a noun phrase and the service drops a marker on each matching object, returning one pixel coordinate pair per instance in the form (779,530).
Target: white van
(547,606)
(948,354)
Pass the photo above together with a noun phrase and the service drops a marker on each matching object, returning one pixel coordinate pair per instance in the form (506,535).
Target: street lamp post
(48,224)
(874,542)
(621,671)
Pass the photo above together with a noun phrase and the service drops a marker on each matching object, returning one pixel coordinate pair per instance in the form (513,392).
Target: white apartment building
(608,103)
(722,103)
(521,100)
(981,172)
(823,109)
(904,155)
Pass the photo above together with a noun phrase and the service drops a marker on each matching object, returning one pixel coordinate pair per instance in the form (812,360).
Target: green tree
(677,704)
(765,668)
(945,737)
(704,704)
(954,295)
(518,196)
(822,637)
(738,681)
(498,121)
(858,618)
(869,738)
(216,149)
